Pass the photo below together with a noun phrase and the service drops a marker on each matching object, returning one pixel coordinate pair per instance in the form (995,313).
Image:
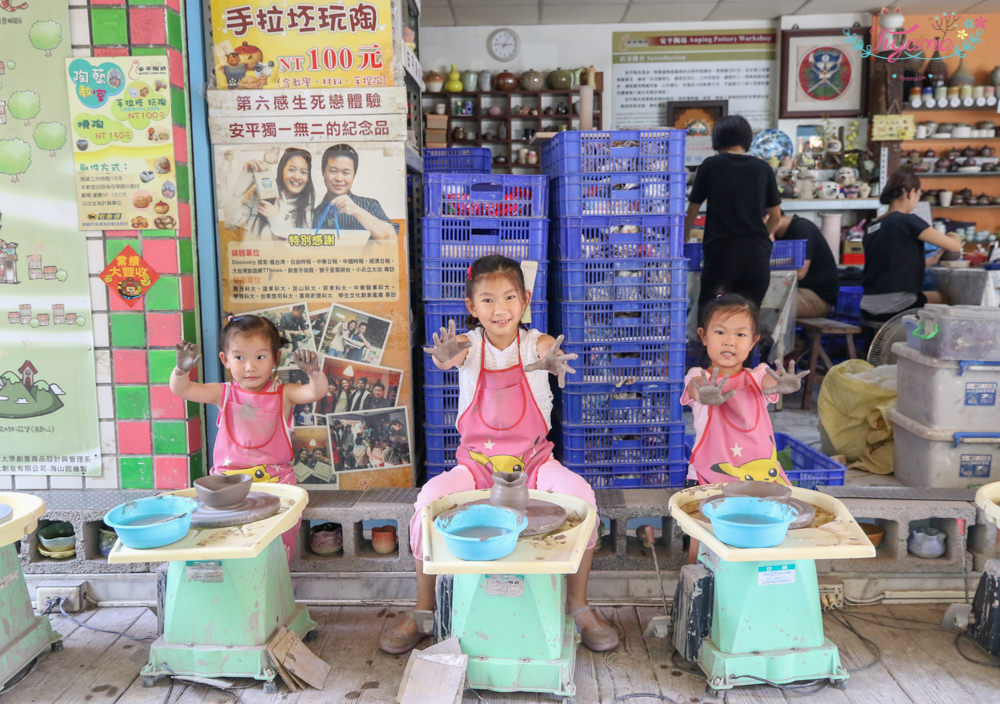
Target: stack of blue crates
(620,298)
(467,216)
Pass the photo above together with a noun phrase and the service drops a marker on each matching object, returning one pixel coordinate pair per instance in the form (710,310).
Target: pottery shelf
(974,108)
(964,207)
(950,174)
(793,205)
(953,139)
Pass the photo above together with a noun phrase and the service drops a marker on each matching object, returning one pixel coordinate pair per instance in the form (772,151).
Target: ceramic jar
(384,539)
(926,542)
(434,81)
(505,81)
(454,84)
(510,489)
(485,80)
(106,538)
(469,80)
(994,77)
(532,80)
(559,79)
(458,133)
(326,539)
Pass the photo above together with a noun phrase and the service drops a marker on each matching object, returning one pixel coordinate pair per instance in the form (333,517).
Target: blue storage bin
(812,468)
(441,405)
(442,442)
(632,476)
(486,195)
(606,151)
(437,377)
(614,237)
(613,362)
(445,279)
(849,303)
(471,238)
(438,313)
(785,254)
(622,279)
(628,444)
(629,404)
(637,193)
(468,160)
(622,321)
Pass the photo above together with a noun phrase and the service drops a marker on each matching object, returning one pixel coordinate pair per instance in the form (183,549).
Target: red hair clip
(468,273)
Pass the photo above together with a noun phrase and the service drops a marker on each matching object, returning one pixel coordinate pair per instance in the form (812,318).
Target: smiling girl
(275,218)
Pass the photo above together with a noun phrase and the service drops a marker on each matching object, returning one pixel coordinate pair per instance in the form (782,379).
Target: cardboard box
(433,121)
(435,135)
(853,247)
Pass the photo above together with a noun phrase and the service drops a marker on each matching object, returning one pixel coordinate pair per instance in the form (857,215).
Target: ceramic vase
(326,539)
(994,77)
(454,84)
(532,80)
(469,80)
(937,68)
(962,75)
(510,489)
(434,81)
(559,79)
(505,81)
(485,80)
(831,232)
(384,539)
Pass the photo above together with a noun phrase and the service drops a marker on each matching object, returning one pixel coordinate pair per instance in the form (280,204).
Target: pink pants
(552,476)
(291,536)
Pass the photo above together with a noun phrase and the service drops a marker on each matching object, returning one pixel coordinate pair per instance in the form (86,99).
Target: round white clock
(503,44)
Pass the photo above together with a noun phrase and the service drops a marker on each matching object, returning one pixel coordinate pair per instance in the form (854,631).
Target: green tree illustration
(24,105)
(15,157)
(45,35)
(50,136)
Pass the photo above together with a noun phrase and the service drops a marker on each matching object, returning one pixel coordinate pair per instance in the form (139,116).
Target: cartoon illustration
(11,7)
(24,105)
(762,470)
(50,136)
(234,70)
(8,262)
(259,473)
(24,395)
(44,35)
(15,158)
(249,56)
(824,73)
(502,463)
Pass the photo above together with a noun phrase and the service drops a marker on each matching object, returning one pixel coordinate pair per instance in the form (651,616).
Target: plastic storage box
(442,441)
(595,279)
(486,195)
(957,332)
(629,444)
(945,393)
(848,307)
(614,362)
(445,279)
(471,238)
(629,404)
(785,254)
(607,151)
(619,237)
(469,160)
(635,193)
(648,475)
(622,321)
(942,458)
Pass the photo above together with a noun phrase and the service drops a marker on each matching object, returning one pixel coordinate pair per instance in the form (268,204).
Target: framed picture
(822,75)
(698,117)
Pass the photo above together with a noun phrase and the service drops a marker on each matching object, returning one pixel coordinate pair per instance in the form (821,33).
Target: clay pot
(470,79)
(532,80)
(510,489)
(434,81)
(926,542)
(938,68)
(962,75)
(994,77)
(505,81)
(106,538)
(969,151)
(986,151)
(983,199)
(223,491)
(454,84)
(485,80)
(930,154)
(494,111)
(326,539)
(458,134)
(874,531)
(384,539)
(559,79)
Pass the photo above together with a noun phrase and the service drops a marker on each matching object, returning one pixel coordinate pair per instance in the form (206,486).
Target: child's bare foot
(595,633)
(404,636)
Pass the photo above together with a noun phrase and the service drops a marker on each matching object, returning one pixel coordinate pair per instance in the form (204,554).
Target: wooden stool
(815,328)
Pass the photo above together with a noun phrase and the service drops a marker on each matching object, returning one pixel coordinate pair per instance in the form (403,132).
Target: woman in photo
(360,452)
(343,400)
(341,331)
(357,343)
(341,209)
(274,218)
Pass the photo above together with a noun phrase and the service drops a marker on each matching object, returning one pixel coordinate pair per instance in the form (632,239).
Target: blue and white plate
(771,142)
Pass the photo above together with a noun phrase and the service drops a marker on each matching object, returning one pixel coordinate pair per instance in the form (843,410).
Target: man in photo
(378,399)
(295,325)
(399,446)
(361,395)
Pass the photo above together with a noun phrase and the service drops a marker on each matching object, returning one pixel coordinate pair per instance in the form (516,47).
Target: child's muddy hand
(555,362)
(306,360)
(786,382)
(447,345)
(710,391)
(188,355)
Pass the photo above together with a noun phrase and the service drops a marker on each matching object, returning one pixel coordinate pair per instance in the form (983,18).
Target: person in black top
(819,281)
(894,251)
(739,189)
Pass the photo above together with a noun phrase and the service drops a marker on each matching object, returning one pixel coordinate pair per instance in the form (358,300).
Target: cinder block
(983,541)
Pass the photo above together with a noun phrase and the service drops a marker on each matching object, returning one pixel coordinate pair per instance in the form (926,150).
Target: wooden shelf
(974,108)
(504,93)
(953,139)
(949,174)
(964,207)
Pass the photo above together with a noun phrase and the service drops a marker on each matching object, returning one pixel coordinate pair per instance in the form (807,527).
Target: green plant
(61,275)
(45,35)
(15,157)
(50,136)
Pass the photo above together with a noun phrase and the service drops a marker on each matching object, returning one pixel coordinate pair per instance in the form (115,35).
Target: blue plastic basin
(749,522)
(128,520)
(481,531)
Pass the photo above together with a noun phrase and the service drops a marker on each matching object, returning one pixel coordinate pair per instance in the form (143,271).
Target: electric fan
(880,350)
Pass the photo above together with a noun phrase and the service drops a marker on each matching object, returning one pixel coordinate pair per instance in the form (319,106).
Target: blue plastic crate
(785,254)
(471,238)
(486,195)
(438,377)
(598,152)
(621,321)
(630,404)
(445,279)
(632,476)
(622,279)
(812,468)
(613,362)
(441,405)
(607,237)
(636,193)
(630,444)
(466,160)
(441,443)
(438,313)
(849,303)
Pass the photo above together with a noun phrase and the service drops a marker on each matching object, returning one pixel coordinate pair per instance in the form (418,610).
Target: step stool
(815,328)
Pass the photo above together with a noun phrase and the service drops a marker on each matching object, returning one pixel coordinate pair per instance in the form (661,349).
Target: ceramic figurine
(467,107)
(864,189)
(829,190)
(806,184)
(454,84)
(787,183)
(833,156)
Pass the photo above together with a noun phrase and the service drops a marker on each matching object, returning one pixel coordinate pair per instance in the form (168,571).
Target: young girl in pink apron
(255,414)
(734,440)
(505,405)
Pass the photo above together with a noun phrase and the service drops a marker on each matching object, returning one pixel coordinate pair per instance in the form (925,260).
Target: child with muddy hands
(504,410)
(255,408)
(734,439)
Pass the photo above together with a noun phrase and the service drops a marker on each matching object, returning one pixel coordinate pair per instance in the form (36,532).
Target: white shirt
(538,381)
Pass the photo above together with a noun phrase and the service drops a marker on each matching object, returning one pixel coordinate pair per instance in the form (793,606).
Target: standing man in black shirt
(819,280)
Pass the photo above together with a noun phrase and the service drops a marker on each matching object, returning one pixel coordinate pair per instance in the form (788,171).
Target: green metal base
(219,614)
(496,616)
(728,670)
(23,634)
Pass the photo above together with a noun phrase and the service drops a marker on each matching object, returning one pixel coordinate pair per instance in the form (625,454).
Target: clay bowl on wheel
(760,490)
(223,491)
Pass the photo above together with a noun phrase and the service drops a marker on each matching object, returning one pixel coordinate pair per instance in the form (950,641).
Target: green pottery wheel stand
(509,615)
(766,618)
(227,591)
(23,634)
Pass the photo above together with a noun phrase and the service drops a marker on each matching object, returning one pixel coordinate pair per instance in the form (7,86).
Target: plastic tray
(438,313)
(607,237)
(445,278)
(622,321)
(622,279)
(811,467)
(629,444)
(785,254)
(471,238)
(468,160)
(608,151)
(627,362)
(486,195)
(629,404)
(632,476)
(636,193)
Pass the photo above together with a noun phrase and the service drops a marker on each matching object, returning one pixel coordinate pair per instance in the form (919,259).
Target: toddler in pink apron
(505,405)
(734,440)
(255,415)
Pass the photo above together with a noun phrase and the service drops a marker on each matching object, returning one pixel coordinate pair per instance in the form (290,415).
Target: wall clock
(503,44)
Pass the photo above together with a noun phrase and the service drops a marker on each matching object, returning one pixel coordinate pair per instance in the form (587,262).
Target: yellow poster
(122,143)
(290,44)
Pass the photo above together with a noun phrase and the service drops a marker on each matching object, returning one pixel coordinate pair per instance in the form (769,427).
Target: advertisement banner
(122,143)
(291,44)
(48,397)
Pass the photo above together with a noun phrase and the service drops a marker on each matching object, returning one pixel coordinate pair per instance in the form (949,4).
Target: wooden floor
(918,663)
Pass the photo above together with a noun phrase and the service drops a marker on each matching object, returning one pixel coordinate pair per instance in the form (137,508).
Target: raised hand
(710,391)
(555,362)
(786,382)
(446,344)
(188,355)
(306,360)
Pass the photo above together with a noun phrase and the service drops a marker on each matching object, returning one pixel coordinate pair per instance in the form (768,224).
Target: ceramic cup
(105,540)
(384,539)
(922,132)
(944,198)
(440,108)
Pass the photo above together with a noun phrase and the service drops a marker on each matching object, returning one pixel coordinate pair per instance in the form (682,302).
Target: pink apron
(254,439)
(503,428)
(738,441)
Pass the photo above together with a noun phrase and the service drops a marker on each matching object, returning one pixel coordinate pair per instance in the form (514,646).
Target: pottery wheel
(5,513)
(543,516)
(257,506)
(805,518)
